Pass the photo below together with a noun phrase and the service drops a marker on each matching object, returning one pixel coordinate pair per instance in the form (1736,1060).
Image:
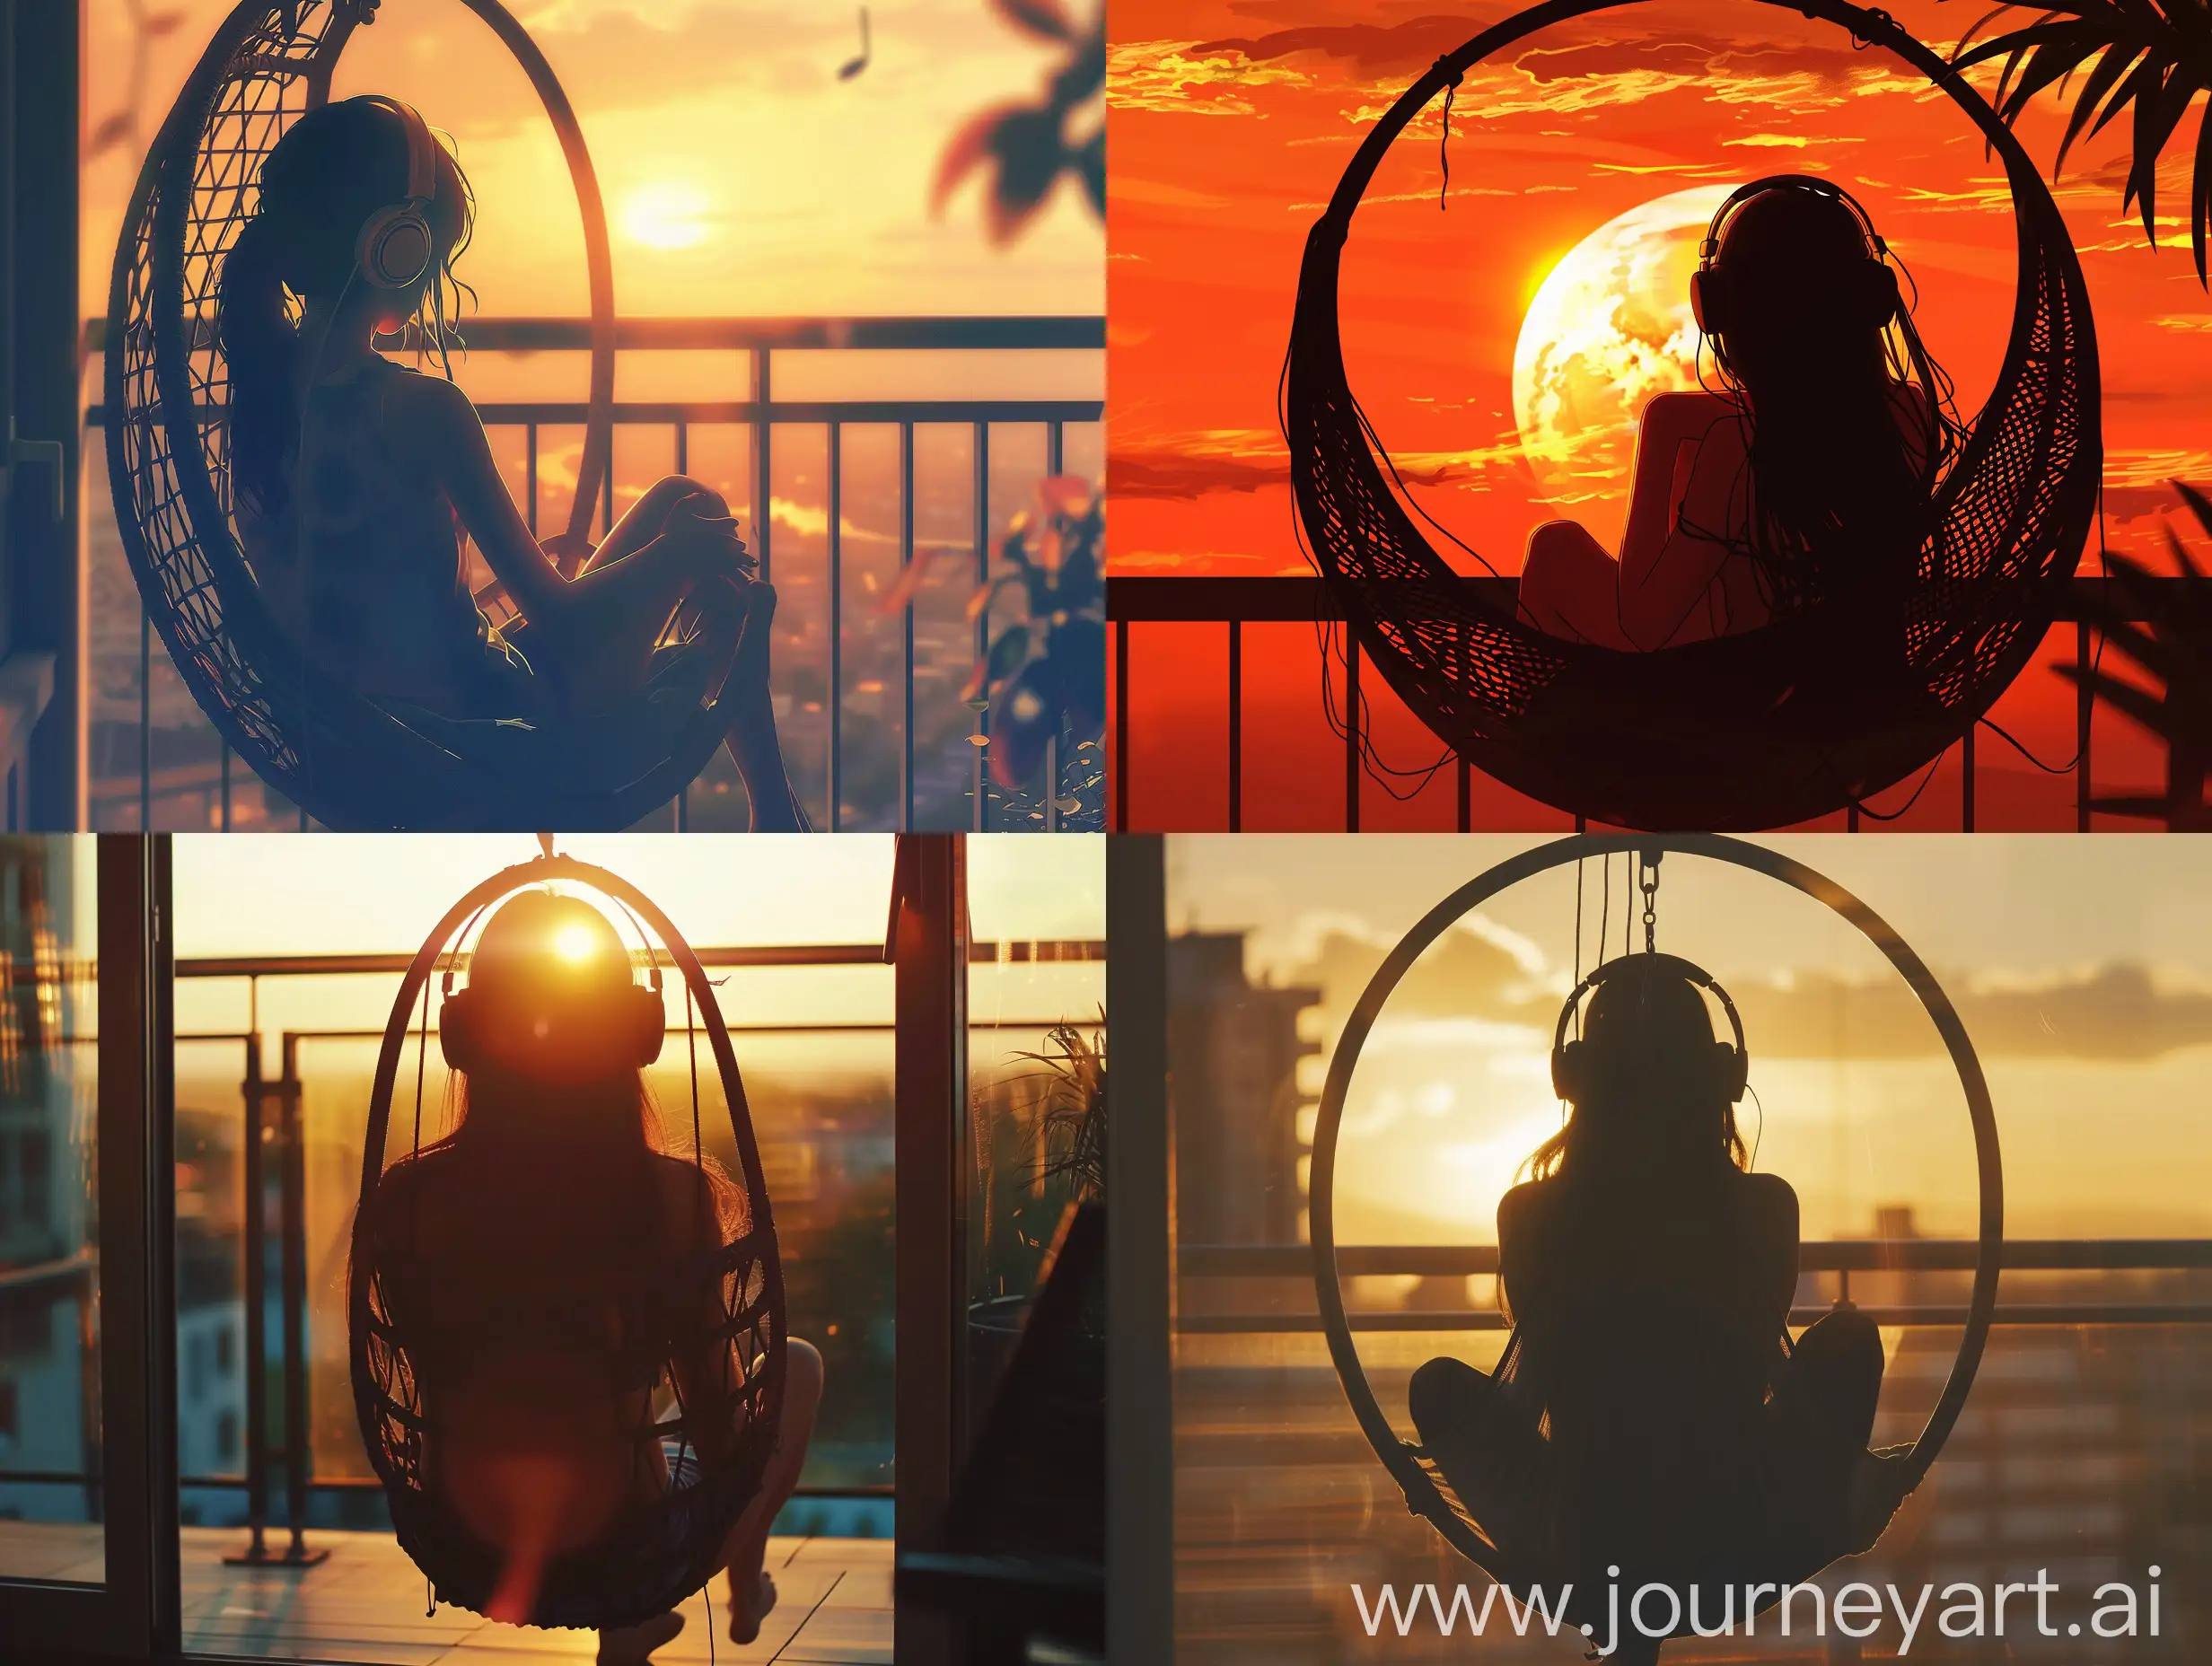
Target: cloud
(1412,45)
(1185,475)
(2114,1012)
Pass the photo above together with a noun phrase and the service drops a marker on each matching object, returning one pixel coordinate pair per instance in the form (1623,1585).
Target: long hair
(1840,503)
(1652,1107)
(567,1172)
(334,168)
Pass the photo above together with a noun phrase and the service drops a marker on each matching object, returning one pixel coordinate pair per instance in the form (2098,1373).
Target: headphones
(1867,287)
(394,248)
(637,1025)
(1576,1069)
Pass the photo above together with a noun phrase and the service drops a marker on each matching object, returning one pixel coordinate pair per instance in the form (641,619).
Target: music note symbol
(853,66)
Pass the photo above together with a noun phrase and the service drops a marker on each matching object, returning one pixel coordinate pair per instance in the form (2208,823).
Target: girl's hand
(749,674)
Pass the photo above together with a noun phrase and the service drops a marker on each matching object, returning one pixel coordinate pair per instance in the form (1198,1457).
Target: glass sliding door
(83,1504)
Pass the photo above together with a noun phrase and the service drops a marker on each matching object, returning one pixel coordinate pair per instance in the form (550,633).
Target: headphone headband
(639,1016)
(1869,291)
(1812,187)
(1564,1072)
(395,248)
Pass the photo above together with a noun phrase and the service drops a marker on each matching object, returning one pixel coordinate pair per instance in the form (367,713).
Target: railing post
(256,1296)
(834,697)
(530,476)
(1966,795)
(146,721)
(905,624)
(1351,730)
(293,1185)
(1236,725)
(981,820)
(2084,727)
(1118,780)
(763,459)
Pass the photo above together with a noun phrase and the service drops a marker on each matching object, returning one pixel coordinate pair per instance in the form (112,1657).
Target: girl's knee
(1441,1394)
(803,1372)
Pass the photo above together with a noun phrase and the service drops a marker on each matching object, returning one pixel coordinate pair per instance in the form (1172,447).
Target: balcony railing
(918,756)
(281,1233)
(1147,801)
(1834,1259)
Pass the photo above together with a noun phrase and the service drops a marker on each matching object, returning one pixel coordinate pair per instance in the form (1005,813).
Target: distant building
(1233,1049)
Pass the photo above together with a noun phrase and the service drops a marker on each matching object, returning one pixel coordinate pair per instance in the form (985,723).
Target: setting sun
(667,213)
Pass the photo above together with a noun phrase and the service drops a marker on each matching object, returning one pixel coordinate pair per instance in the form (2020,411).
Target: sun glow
(666,215)
(574,943)
(1609,326)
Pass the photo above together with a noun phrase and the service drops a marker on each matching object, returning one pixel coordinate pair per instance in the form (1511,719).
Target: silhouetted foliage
(2164,631)
(1028,145)
(2151,56)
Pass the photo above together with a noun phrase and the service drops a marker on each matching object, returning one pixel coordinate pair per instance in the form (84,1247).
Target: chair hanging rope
(167,399)
(1778,725)
(658,1556)
(1424,1497)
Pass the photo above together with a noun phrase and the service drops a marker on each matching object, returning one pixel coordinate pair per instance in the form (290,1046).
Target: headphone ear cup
(1733,1069)
(1881,301)
(394,250)
(1709,305)
(649,1025)
(1568,1066)
(457,1032)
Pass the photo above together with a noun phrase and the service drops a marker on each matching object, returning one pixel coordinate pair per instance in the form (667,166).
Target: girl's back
(540,1303)
(361,559)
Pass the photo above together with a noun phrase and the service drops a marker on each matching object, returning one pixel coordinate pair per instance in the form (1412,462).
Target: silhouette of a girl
(1803,478)
(356,479)
(1652,1422)
(540,1258)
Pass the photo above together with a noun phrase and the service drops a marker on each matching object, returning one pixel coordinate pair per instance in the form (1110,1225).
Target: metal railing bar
(763,417)
(1012,950)
(529,470)
(1966,779)
(534,333)
(1462,1320)
(905,620)
(836,763)
(1236,726)
(980,819)
(571,413)
(1858,1255)
(349,1482)
(1119,782)
(1303,600)
(146,721)
(1351,733)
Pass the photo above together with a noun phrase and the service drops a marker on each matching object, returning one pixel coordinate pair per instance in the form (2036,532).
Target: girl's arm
(440,434)
(1684,463)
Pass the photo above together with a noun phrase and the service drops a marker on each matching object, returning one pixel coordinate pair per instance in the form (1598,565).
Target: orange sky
(741,176)
(1230,122)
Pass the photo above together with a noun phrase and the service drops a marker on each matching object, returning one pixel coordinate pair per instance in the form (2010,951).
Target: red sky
(1229,123)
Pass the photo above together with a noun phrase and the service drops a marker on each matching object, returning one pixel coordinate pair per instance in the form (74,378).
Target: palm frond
(2149,59)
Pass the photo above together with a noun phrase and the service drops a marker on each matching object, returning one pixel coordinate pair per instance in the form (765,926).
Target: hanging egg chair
(652,1556)
(1775,726)
(1427,1493)
(345,761)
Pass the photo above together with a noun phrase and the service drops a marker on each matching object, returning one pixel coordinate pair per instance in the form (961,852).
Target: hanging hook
(545,845)
(1647,874)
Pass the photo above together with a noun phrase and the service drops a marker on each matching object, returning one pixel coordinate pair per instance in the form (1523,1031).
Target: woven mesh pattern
(160,341)
(648,1561)
(1794,728)
(347,762)
(656,1554)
